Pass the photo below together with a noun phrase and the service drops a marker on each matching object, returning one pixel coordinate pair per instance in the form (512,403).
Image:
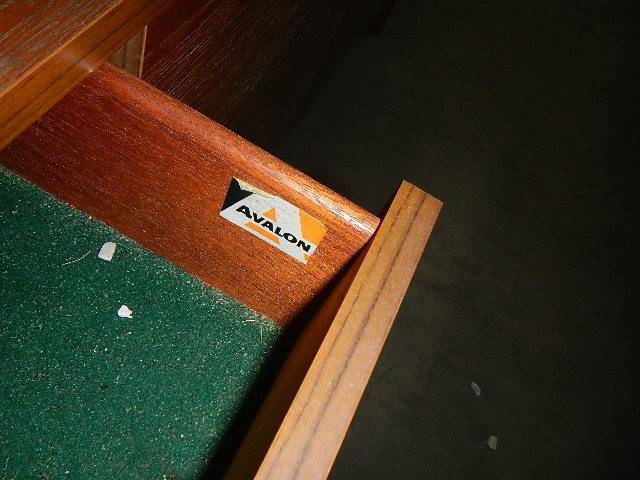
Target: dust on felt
(106,253)
(81,299)
(260,322)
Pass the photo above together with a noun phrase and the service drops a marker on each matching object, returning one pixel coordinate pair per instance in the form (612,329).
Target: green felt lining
(85,393)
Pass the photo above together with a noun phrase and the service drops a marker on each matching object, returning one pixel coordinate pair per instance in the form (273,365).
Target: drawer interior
(159,172)
(118,161)
(170,385)
(96,389)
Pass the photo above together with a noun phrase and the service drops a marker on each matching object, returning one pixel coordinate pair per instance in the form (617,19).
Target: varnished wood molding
(299,430)
(130,56)
(45,50)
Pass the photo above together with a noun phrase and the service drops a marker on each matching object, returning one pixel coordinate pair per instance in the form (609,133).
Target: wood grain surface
(130,56)
(157,171)
(249,65)
(46,48)
(299,430)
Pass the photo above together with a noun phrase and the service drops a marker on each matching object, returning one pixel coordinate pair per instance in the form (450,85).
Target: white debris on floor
(492,442)
(476,388)
(107,251)
(124,312)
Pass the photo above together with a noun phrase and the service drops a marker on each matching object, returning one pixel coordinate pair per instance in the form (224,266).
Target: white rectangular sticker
(273,220)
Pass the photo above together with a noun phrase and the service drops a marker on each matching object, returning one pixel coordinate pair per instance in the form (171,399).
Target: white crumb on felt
(124,312)
(492,442)
(107,251)
(476,388)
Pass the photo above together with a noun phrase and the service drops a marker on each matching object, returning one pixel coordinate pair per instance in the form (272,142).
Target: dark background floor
(522,117)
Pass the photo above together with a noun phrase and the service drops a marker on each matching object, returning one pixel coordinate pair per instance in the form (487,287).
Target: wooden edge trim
(49,80)
(300,428)
(130,56)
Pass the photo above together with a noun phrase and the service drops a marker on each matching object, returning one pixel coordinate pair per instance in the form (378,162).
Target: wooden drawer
(159,172)
(121,156)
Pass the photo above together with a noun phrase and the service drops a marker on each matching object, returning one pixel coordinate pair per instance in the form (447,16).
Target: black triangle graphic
(234,194)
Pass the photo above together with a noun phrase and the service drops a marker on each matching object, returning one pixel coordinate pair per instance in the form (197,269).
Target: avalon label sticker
(273,220)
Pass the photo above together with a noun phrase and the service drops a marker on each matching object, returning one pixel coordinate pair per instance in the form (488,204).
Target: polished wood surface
(249,65)
(157,171)
(46,48)
(300,428)
(130,56)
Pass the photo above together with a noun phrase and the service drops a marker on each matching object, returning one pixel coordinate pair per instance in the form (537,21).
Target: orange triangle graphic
(271,214)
